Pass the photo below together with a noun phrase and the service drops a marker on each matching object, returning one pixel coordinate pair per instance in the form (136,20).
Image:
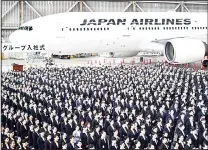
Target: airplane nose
(12,37)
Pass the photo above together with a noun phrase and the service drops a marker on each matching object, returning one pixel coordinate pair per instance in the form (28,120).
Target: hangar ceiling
(14,13)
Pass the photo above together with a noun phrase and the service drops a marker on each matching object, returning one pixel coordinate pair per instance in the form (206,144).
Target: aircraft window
(187,28)
(73,29)
(80,29)
(142,28)
(206,27)
(101,29)
(155,28)
(203,27)
(128,28)
(200,27)
(163,28)
(104,28)
(77,29)
(197,27)
(87,29)
(62,29)
(30,28)
(69,29)
(149,28)
(152,28)
(98,29)
(107,28)
(158,28)
(94,28)
(173,28)
(167,28)
(178,28)
(133,28)
(84,29)
(145,28)
(91,29)
(170,28)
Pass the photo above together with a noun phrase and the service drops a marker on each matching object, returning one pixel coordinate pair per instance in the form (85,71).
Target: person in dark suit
(188,145)
(79,145)
(64,140)
(143,139)
(202,126)
(55,144)
(114,145)
(25,145)
(91,139)
(131,133)
(194,138)
(110,128)
(47,144)
(97,135)
(41,140)
(64,125)
(137,145)
(19,143)
(164,145)
(181,143)
(126,143)
(123,130)
(190,124)
(69,127)
(154,141)
(84,137)
(181,130)
(103,141)
(71,145)
(35,136)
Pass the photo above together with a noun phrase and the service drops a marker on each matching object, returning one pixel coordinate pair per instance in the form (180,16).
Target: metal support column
(21,6)
(182,7)
(134,6)
(80,6)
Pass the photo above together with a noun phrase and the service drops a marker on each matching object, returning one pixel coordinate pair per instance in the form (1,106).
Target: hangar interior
(15,13)
(99,102)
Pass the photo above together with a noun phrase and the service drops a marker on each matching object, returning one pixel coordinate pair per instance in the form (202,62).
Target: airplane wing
(197,37)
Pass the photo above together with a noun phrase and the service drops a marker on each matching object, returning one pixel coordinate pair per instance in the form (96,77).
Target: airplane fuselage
(72,33)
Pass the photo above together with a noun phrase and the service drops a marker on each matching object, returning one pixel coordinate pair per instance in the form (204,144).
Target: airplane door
(129,31)
(60,30)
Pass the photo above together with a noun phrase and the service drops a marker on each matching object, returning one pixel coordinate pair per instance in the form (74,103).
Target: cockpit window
(30,28)
(27,28)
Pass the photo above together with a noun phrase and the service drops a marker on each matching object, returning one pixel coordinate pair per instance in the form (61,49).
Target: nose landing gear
(204,64)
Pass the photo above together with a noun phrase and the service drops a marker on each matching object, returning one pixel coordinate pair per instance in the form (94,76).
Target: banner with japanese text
(10,47)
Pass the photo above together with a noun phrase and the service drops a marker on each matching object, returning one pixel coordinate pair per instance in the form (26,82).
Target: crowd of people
(105,107)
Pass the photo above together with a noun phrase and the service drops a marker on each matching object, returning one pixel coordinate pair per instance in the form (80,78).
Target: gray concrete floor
(90,61)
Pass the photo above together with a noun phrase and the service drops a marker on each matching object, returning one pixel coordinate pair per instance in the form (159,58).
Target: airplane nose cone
(12,37)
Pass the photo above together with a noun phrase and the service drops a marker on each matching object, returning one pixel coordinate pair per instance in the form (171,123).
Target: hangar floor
(90,61)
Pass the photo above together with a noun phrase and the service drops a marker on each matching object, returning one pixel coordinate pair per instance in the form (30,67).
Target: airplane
(181,36)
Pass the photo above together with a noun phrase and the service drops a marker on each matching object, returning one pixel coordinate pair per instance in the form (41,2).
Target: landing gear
(141,59)
(111,54)
(204,64)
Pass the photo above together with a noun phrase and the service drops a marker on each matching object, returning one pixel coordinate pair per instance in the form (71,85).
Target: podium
(17,67)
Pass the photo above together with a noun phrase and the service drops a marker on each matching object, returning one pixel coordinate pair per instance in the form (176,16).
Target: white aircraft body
(181,36)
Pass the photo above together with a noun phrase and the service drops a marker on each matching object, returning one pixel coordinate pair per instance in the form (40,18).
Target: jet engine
(182,51)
